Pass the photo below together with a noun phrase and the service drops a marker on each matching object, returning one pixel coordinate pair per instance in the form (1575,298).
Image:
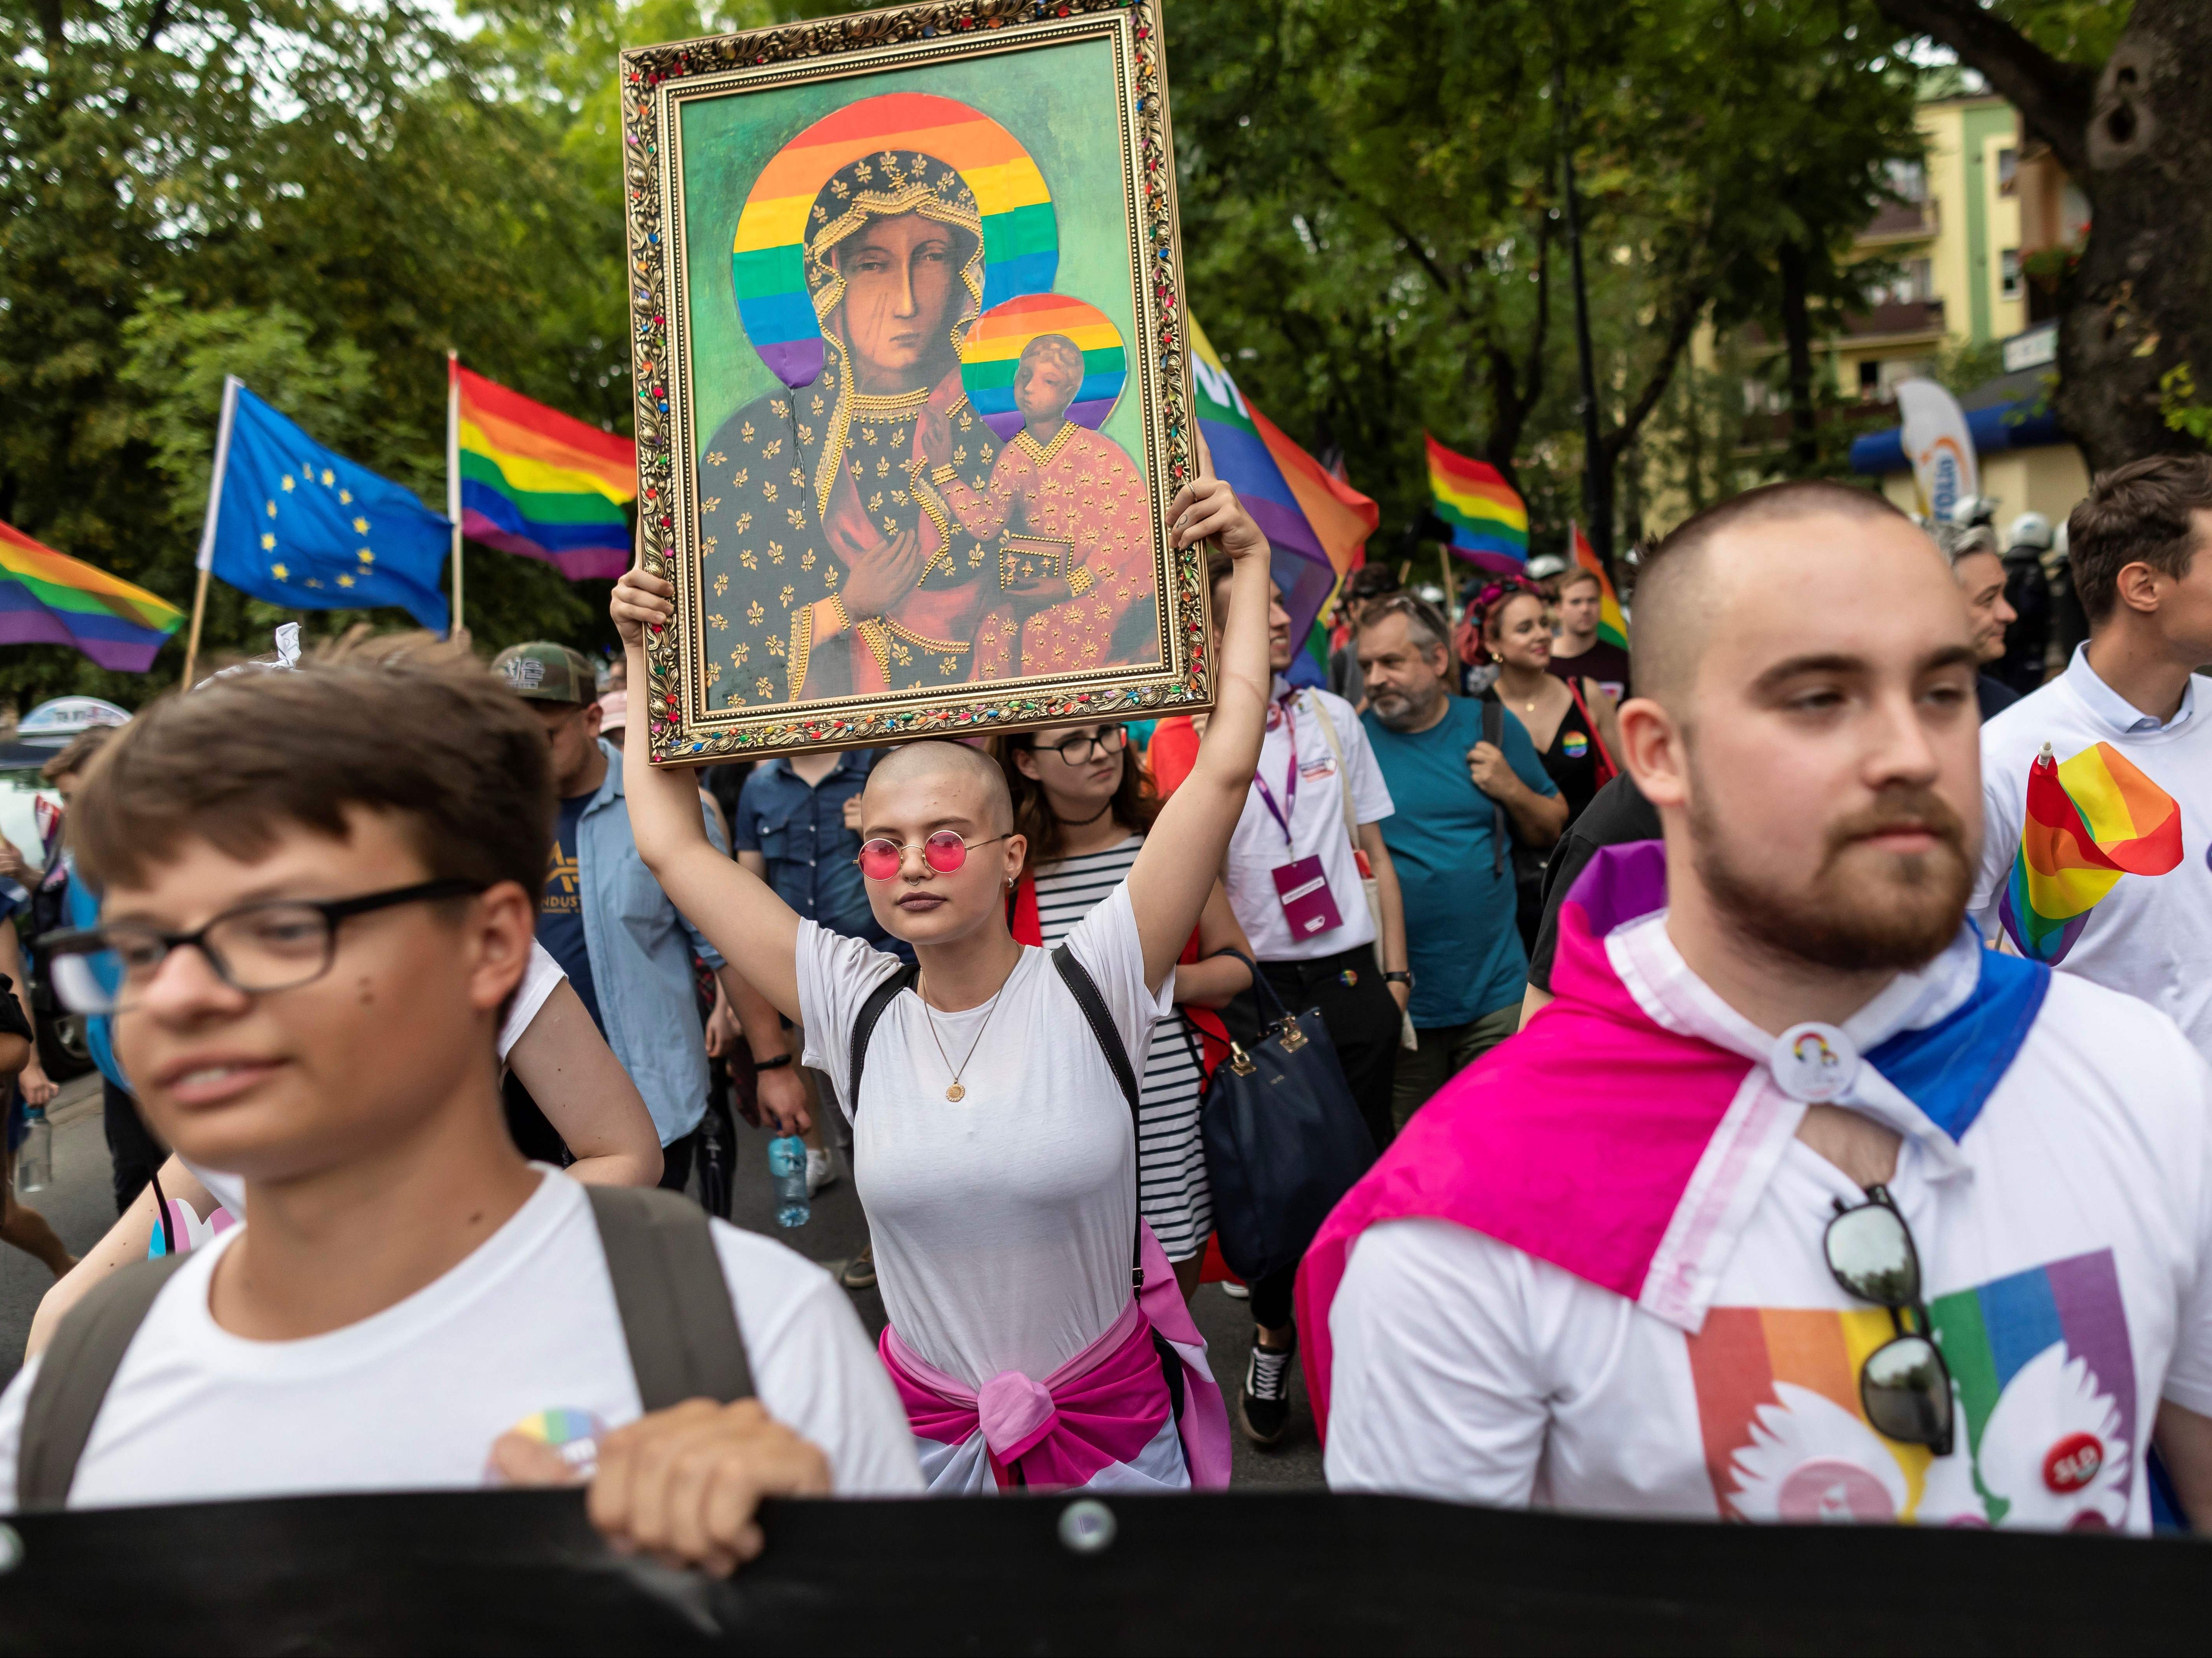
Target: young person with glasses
(1084,808)
(1795,1203)
(319,893)
(993,1143)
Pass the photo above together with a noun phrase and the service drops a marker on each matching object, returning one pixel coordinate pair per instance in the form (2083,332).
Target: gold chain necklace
(957,1093)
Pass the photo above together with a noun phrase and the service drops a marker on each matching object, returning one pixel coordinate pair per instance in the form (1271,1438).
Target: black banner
(497,1572)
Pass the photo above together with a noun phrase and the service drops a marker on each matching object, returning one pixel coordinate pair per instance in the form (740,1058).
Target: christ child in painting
(1066,509)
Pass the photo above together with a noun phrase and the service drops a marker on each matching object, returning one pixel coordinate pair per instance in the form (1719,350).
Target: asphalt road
(80,1205)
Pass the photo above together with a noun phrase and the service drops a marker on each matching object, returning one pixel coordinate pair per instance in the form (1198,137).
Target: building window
(1908,181)
(2010,269)
(1869,380)
(1921,273)
(2007,172)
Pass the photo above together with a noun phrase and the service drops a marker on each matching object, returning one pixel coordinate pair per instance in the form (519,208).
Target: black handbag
(1284,1138)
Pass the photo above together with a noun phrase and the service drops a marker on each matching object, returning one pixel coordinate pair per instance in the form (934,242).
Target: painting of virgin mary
(858,582)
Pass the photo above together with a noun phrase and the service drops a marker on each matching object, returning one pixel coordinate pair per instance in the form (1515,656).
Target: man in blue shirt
(1462,940)
(605,919)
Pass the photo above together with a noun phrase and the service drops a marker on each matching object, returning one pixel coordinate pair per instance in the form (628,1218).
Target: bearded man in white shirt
(2119,745)
(1796,1203)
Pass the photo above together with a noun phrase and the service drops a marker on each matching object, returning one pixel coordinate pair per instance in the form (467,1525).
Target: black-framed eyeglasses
(279,943)
(1905,1385)
(1078,751)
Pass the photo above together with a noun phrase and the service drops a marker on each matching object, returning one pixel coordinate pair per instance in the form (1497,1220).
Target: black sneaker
(1265,1403)
(859,1272)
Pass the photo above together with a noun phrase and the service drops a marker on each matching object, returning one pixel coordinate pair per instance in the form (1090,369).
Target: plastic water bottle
(34,1158)
(786,1170)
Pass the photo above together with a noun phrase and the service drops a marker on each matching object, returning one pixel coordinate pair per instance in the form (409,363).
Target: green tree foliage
(1371,204)
(325,195)
(323,198)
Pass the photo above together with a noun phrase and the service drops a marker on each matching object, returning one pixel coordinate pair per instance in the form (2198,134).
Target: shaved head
(1679,586)
(940,757)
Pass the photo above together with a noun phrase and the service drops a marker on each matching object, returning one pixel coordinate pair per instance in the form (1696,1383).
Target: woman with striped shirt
(1085,807)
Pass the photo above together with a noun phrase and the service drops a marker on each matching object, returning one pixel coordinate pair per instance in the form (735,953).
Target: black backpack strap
(864,1027)
(73,1378)
(1501,828)
(1081,986)
(676,1318)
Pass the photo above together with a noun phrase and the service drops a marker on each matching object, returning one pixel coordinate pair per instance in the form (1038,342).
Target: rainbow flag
(994,348)
(48,598)
(1316,524)
(1489,522)
(2090,820)
(1612,625)
(1021,237)
(540,483)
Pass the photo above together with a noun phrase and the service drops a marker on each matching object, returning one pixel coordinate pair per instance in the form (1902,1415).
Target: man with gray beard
(1459,799)
(1796,1203)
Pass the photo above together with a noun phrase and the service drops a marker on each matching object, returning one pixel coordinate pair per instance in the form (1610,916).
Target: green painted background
(1059,103)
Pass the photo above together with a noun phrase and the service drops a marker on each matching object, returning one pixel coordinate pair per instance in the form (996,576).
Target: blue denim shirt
(640,950)
(799,832)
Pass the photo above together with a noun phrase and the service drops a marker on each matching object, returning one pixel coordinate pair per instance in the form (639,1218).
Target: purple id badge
(1307,905)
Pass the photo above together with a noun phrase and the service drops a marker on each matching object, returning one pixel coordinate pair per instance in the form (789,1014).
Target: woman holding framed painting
(993,1092)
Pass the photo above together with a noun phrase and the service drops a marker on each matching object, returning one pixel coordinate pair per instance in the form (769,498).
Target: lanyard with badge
(1302,884)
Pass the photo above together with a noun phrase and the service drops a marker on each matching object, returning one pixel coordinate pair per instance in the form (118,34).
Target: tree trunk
(1797,336)
(2140,147)
(2140,302)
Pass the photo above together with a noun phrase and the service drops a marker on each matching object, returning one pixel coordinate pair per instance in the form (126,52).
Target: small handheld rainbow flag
(532,481)
(48,598)
(1489,522)
(1612,625)
(2090,820)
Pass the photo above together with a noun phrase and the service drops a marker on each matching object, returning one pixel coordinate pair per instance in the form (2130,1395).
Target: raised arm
(1174,872)
(737,912)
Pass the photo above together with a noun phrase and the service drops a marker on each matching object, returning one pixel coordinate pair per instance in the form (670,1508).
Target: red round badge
(2072,1462)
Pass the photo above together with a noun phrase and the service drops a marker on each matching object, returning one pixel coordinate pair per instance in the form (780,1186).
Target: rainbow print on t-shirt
(2046,1393)
(2090,819)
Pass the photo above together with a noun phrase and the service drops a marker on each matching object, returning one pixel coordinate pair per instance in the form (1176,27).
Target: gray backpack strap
(1501,827)
(676,1318)
(75,1375)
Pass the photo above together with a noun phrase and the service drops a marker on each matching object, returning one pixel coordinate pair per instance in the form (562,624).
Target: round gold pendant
(956,1093)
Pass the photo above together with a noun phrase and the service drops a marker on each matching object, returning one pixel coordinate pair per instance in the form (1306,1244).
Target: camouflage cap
(545,672)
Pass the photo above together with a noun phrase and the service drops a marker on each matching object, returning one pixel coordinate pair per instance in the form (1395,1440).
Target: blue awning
(2022,423)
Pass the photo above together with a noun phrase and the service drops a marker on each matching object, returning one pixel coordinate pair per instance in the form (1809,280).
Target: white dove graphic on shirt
(2052,1450)
(1810,1458)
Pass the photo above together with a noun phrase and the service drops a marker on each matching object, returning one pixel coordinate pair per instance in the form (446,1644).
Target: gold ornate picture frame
(910,340)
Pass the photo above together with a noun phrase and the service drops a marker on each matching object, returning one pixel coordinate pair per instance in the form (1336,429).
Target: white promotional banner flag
(1939,446)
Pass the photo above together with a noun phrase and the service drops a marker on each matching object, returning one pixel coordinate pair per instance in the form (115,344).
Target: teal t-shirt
(1462,940)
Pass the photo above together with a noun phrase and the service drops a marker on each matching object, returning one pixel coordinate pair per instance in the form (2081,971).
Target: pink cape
(1102,1408)
(1579,1141)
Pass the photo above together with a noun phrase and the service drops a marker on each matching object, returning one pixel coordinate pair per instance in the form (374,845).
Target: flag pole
(206,561)
(454,472)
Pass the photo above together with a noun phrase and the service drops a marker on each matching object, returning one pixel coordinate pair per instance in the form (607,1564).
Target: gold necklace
(957,1092)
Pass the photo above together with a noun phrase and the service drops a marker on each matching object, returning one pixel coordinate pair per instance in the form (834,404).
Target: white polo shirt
(1315,814)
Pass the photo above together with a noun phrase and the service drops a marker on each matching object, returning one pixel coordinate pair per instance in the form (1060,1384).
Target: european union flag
(295,524)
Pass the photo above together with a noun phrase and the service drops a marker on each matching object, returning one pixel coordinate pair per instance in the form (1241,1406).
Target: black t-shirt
(1617,815)
(1604,661)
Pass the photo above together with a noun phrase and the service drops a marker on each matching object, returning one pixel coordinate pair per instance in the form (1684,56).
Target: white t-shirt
(1258,847)
(2064,1242)
(1002,1221)
(538,981)
(2151,935)
(413,1398)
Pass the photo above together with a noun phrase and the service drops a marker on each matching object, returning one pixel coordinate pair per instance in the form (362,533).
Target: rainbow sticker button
(573,1434)
(1573,744)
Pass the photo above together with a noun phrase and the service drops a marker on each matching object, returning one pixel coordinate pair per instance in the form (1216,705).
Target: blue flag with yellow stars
(295,524)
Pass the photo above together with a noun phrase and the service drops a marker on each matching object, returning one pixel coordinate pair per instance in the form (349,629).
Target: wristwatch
(772,1063)
(1405,978)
